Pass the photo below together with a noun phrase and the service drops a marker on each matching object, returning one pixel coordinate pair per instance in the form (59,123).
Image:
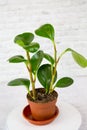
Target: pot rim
(29,98)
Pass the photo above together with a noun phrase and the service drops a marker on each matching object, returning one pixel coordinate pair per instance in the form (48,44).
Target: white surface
(69,119)
(70,20)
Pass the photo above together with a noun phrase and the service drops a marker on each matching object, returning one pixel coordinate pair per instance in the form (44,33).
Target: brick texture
(69,19)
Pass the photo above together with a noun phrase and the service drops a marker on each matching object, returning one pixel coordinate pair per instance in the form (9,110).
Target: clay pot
(42,111)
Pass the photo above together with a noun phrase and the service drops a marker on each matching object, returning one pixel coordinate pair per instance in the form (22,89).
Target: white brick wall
(69,19)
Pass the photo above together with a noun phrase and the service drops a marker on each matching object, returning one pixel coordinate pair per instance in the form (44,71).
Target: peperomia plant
(46,73)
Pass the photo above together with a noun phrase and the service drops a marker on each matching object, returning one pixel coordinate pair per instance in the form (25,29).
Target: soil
(42,97)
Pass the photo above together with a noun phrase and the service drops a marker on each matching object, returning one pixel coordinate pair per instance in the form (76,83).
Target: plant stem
(30,74)
(55,51)
(61,55)
(54,68)
(57,61)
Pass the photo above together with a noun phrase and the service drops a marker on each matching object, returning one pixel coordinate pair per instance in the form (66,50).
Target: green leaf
(64,82)
(47,31)
(24,39)
(79,59)
(17,59)
(32,47)
(49,58)
(19,82)
(44,75)
(36,61)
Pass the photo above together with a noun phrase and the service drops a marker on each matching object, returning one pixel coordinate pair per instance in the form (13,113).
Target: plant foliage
(46,73)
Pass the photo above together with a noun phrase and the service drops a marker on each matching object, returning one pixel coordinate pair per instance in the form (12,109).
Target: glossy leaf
(49,58)
(64,82)
(45,75)
(19,82)
(32,47)
(17,59)
(24,39)
(46,31)
(82,61)
(36,61)
(79,59)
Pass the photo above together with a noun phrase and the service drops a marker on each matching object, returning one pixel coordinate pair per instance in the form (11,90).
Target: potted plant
(42,101)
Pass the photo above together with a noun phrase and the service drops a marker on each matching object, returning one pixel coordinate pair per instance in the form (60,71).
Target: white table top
(68,118)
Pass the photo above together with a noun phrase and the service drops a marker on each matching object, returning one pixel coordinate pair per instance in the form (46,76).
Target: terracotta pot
(42,111)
